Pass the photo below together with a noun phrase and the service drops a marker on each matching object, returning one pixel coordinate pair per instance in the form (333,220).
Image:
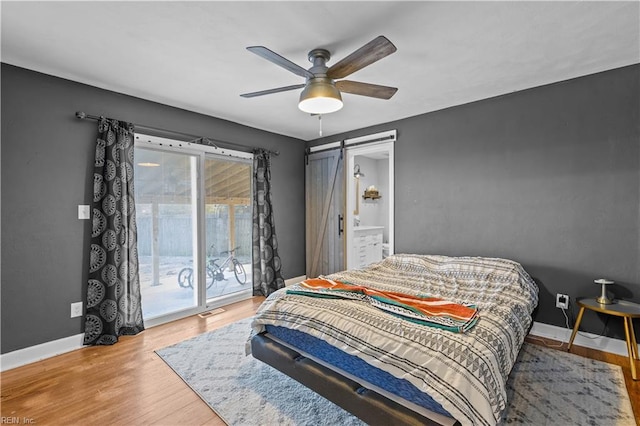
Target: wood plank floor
(128,383)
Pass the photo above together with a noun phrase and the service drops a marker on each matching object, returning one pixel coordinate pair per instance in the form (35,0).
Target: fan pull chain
(320,124)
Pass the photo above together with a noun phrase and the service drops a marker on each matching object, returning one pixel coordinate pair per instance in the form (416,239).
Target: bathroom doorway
(369,219)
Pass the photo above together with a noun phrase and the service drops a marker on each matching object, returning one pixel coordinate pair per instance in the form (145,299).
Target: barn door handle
(340,228)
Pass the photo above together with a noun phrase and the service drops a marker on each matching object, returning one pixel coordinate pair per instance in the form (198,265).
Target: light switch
(83,212)
(76,309)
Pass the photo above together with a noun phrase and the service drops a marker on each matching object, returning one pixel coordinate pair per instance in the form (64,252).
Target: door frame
(350,154)
(378,142)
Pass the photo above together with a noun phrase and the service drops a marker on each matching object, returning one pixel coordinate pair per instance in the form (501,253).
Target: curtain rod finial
(81,115)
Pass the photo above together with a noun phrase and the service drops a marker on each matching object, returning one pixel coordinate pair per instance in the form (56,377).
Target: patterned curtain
(267,276)
(113,294)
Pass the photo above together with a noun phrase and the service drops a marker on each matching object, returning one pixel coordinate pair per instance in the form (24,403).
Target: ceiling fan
(321,94)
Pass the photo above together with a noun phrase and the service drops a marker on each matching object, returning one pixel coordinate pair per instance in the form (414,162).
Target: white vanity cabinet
(367,245)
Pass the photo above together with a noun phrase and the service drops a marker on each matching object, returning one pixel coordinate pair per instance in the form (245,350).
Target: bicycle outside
(215,271)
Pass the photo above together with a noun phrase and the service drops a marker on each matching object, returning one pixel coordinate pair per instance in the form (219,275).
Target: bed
(386,369)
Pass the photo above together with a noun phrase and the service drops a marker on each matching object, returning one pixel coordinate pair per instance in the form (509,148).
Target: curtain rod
(191,138)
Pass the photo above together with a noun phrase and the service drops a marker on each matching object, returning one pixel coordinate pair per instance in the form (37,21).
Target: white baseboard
(39,352)
(588,340)
(46,350)
(294,280)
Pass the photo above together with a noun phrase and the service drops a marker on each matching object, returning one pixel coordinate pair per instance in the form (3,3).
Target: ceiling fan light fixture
(320,97)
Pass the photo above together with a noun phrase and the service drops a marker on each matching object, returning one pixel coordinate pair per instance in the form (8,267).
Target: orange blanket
(427,310)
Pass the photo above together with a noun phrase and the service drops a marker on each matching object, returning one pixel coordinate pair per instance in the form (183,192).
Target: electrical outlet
(76,309)
(84,211)
(562,301)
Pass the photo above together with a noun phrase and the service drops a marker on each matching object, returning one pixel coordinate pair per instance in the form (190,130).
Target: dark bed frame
(366,404)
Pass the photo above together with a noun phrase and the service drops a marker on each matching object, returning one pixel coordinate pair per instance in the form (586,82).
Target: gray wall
(548,177)
(47,158)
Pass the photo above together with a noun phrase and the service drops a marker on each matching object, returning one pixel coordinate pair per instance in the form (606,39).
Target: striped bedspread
(465,372)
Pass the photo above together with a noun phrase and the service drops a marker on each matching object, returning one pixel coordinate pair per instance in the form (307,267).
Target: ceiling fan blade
(270,91)
(371,52)
(366,89)
(272,56)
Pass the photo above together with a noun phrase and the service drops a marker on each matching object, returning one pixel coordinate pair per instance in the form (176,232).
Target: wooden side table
(620,308)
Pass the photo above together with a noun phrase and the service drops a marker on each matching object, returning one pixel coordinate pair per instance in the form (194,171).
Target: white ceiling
(192,54)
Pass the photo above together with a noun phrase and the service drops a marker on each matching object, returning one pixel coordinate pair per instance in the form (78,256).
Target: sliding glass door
(166,194)
(228,227)
(194,228)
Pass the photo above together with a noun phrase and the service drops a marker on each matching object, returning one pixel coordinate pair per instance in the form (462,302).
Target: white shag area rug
(546,386)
